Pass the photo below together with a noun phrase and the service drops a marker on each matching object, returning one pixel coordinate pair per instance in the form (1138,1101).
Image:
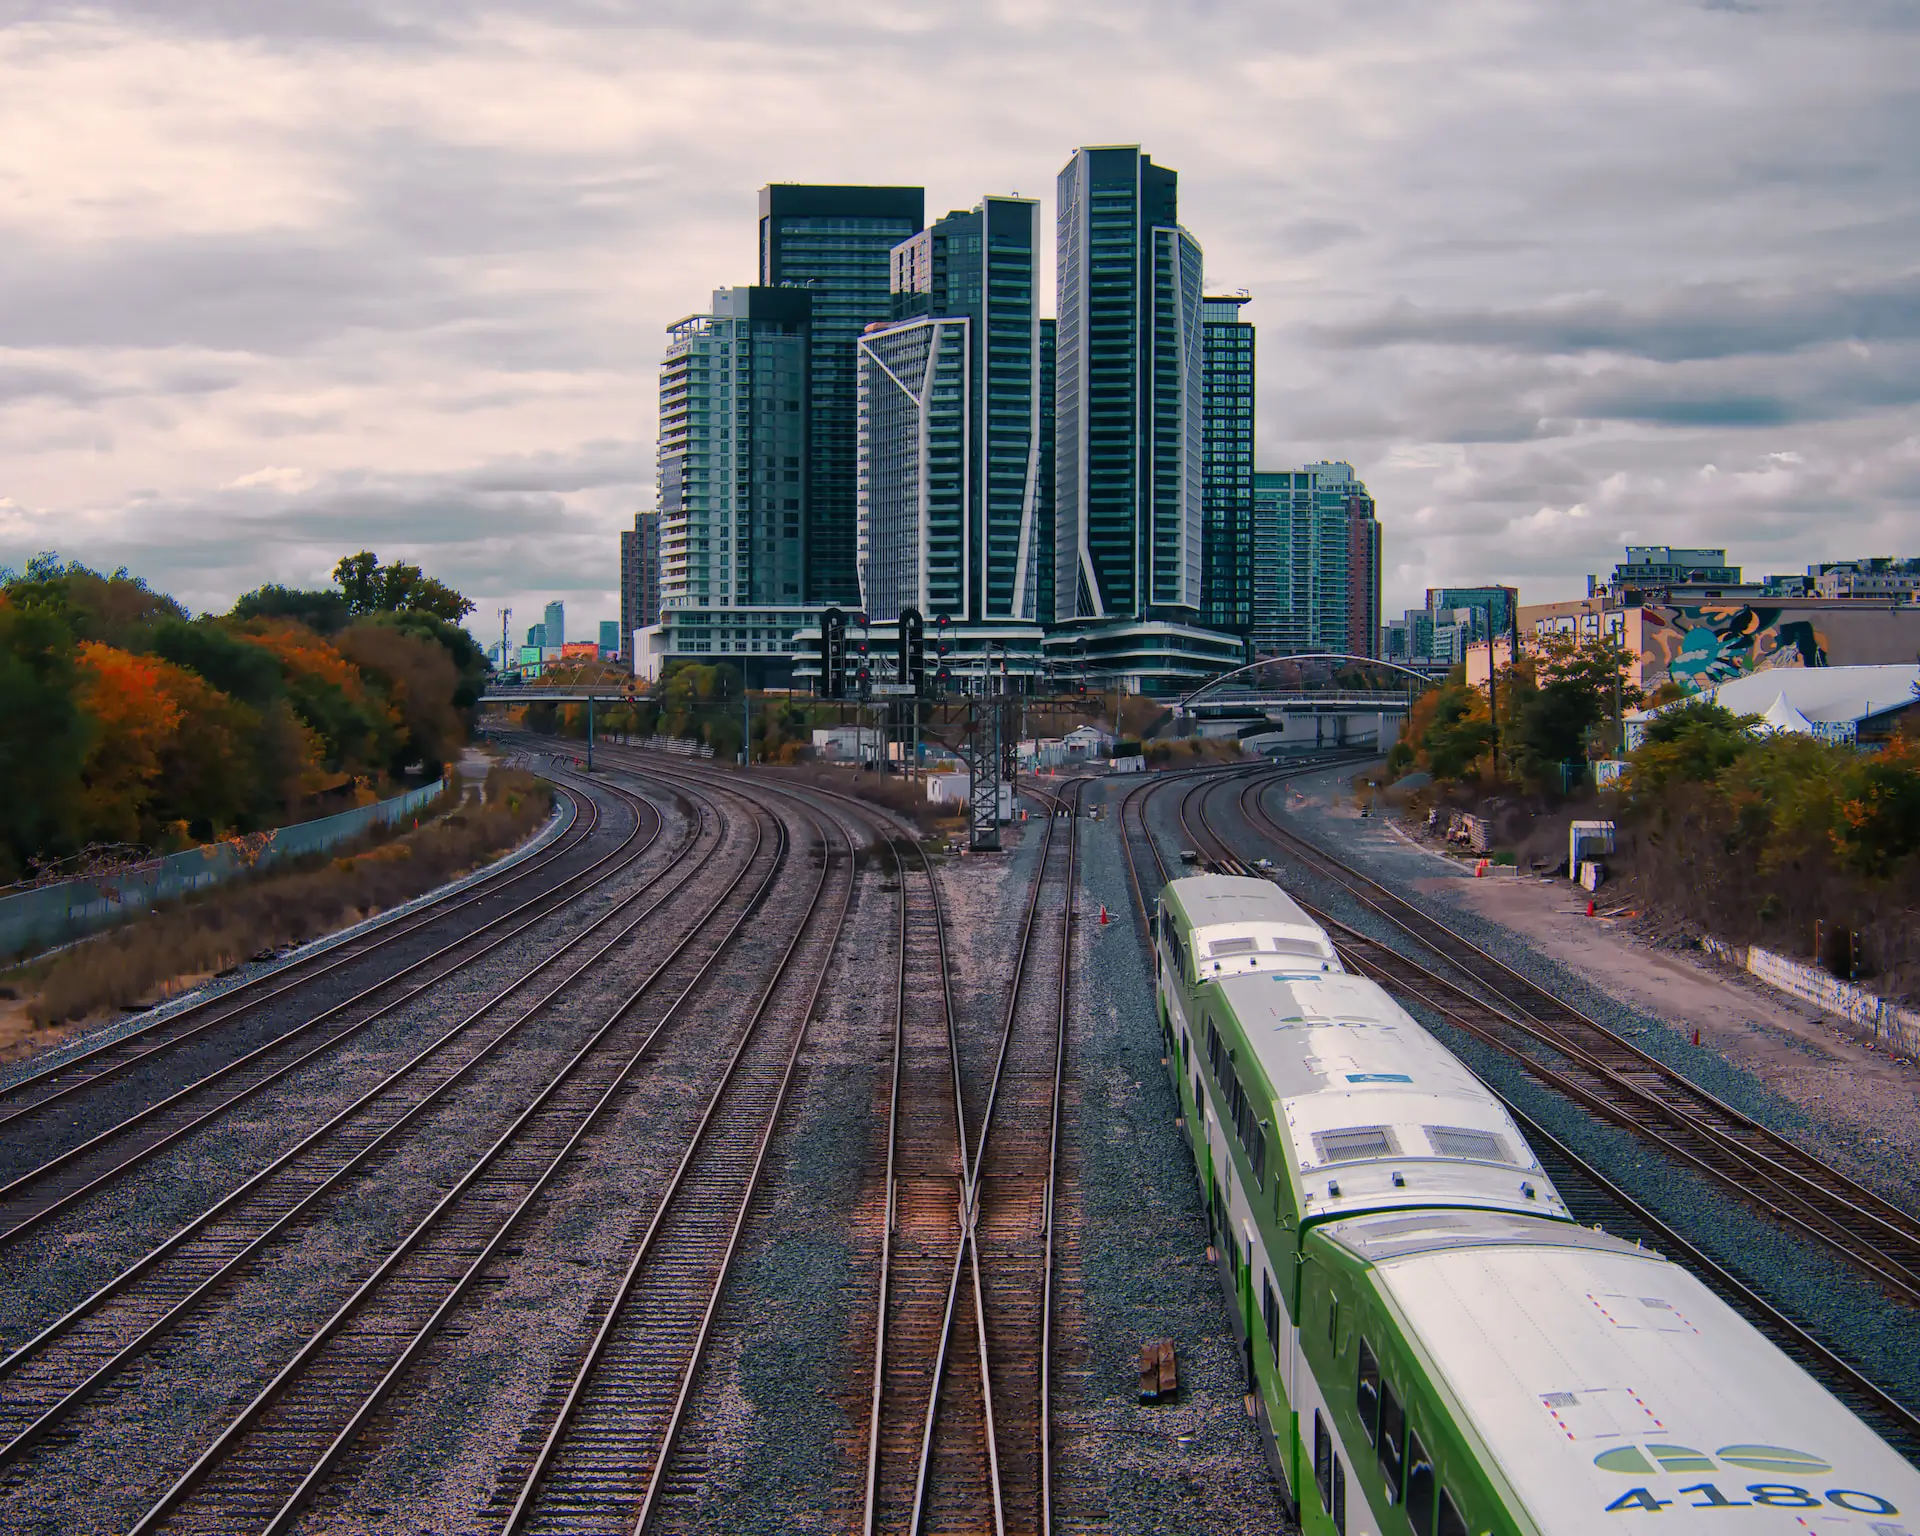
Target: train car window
(1323,1461)
(1257,1155)
(1270,1311)
(1452,1523)
(1393,1439)
(1367,1390)
(1420,1486)
(1340,1497)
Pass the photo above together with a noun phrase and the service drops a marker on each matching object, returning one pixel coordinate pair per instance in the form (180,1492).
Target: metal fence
(47,915)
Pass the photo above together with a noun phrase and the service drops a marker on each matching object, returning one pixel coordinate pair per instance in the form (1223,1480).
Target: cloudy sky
(279,282)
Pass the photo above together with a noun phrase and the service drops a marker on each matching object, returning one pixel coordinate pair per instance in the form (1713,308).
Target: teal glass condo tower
(1316,563)
(1129,428)
(836,243)
(1226,477)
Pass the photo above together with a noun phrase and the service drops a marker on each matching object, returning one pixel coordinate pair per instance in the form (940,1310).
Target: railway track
(282,1448)
(67,1160)
(607,1460)
(1593,1196)
(1614,1078)
(925,1196)
(45,1380)
(65,1075)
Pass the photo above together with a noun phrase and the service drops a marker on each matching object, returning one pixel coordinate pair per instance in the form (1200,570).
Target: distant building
(639,578)
(609,646)
(555,625)
(1697,643)
(1363,573)
(1226,475)
(1879,577)
(537,636)
(1309,525)
(835,245)
(1653,569)
(1493,607)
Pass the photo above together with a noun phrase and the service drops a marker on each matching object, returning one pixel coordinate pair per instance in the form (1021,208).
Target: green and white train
(1435,1346)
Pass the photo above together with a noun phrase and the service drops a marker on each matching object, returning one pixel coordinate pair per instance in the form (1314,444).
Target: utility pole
(746,721)
(1493,697)
(505,615)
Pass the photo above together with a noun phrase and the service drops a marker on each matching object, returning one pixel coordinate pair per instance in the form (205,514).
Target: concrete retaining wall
(49,915)
(1899,1027)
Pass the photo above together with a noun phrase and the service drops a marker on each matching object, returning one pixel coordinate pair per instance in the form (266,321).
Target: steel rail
(883,1334)
(236,1431)
(966,1247)
(236,1257)
(1826,1203)
(623,857)
(282,979)
(362,1415)
(670,1437)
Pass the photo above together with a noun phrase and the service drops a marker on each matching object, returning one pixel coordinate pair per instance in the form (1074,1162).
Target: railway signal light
(833,654)
(913,650)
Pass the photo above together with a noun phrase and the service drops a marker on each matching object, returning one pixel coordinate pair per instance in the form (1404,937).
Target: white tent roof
(1782,716)
(1823,694)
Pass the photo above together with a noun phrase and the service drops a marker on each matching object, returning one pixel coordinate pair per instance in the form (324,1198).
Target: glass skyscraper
(639,578)
(952,398)
(732,457)
(1304,562)
(1226,480)
(1129,426)
(834,242)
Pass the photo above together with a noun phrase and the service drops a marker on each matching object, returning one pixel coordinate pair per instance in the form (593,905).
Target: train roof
(1374,1110)
(1599,1377)
(1206,899)
(1237,924)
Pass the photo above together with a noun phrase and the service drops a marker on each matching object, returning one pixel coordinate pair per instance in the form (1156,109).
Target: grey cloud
(1702,321)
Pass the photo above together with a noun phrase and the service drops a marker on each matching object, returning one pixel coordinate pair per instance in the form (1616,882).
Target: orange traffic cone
(1103,914)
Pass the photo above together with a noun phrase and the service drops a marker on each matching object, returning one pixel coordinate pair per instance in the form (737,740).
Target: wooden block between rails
(1159,1377)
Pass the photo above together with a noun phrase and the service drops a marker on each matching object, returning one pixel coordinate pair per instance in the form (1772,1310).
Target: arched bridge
(1319,700)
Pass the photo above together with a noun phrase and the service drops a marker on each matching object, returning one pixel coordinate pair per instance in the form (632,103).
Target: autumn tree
(44,734)
(370,587)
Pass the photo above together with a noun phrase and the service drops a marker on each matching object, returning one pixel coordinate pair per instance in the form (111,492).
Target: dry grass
(906,798)
(175,946)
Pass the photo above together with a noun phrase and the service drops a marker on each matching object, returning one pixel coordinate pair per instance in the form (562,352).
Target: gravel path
(1137,1226)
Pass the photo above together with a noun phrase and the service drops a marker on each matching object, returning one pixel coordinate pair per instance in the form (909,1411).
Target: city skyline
(228,371)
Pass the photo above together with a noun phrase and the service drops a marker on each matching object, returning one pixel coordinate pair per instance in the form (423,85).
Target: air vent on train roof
(1474,1146)
(1355,1143)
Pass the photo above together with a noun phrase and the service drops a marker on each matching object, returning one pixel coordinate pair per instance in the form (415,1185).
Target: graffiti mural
(1706,644)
